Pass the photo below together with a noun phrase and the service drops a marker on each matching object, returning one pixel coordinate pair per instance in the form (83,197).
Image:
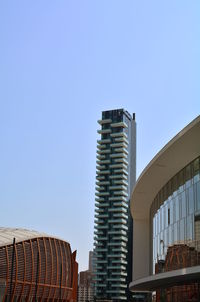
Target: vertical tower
(115,177)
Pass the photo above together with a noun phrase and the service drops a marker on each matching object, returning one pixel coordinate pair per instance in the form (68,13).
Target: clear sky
(61,64)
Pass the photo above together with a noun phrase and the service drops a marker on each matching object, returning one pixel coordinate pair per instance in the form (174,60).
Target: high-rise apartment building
(116,172)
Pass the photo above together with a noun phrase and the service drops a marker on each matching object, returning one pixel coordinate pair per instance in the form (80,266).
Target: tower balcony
(121,160)
(121,182)
(99,157)
(104,131)
(103,151)
(116,221)
(121,238)
(118,165)
(120,198)
(117,232)
(105,121)
(101,216)
(102,183)
(120,204)
(104,161)
(120,124)
(117,134)
(118,187)
(103,172)
(103,141)
(99,189)
(121,139)
(121,150)
(118,155)
(101,146)
(121,171)
(119,145)
(118,176)
(121,215)
(102,194)
(117,210)
(120,226)
(117,243)
(123,193)
(102,205)
(101,167)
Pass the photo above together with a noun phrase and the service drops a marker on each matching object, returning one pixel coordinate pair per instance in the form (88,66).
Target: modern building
(165,206)
(36,267)
(85,287)
(86,282)
(115,177)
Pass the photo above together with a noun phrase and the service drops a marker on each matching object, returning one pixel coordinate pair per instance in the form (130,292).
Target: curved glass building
(36,267)
(165,207)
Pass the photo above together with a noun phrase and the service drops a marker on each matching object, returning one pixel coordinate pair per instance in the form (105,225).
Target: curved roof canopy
(175,155)
(8,234)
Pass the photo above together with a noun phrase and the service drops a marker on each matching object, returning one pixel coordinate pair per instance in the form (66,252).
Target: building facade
(165,206)
(35,266)
(86,287)
(116,169)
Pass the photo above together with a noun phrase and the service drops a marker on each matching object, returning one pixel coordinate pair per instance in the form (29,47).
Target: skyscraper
(116,172)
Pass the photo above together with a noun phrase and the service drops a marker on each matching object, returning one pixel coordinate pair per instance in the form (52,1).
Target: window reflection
(174,208)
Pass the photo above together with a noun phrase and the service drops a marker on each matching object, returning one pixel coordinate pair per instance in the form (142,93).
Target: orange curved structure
(38,268)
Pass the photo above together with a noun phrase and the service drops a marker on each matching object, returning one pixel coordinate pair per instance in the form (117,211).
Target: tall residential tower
(116,172)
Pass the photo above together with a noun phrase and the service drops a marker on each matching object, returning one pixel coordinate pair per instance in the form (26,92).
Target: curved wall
(175,212)
(176,154)
(40,267)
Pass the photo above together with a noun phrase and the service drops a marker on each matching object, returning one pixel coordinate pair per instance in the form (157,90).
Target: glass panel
(198,195)
(175,232)
(182,229)
(189,227)
(188,176)
(171,211)
(183,205)
(177,208)
(190,200)
(196,170)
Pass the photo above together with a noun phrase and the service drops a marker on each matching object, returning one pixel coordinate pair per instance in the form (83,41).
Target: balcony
(121,182)
(121,238)
(118,145)
(116,221)
(118,187)
(103,151)
(117,134)
(121,139)
(117,243)
(121,215)
(106,161)
(104,131)
(103,172)
(117,210)
(101,147)
(104,141)
(120,193)
(118,232)
(120,124)
(100,177)
(99,157)
(118,165)
(121,198)
(121,171)
(105,121)
(101,167)
(102,183)
(122,176)
(121,204)
(101,216)
(99,199)
(121,160)
(116,155)
(121,150)
(102,205)
(120,226)
(102,194)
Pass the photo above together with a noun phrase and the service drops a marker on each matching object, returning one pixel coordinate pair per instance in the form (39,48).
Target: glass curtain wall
(175,212)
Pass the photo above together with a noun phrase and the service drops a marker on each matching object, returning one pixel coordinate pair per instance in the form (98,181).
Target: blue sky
(61,64)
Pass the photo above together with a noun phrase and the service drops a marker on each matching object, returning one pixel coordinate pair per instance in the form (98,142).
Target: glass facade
(175,213)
